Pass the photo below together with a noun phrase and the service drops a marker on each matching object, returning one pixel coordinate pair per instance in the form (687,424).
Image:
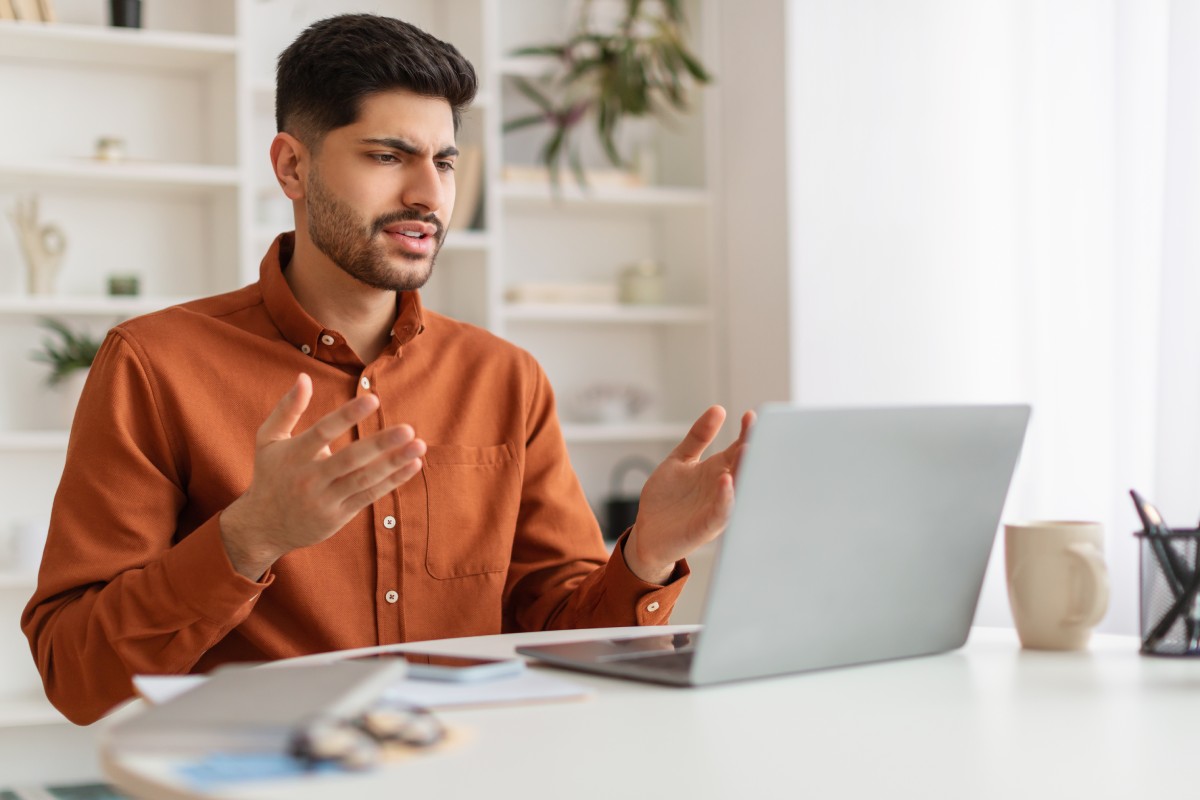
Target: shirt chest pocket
(474,495)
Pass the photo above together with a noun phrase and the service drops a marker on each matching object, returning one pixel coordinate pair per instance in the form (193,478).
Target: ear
(289,159)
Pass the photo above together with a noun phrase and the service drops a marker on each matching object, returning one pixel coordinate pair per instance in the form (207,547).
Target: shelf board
(605,312)
(87,173)
(100,306)
(569,193)
(32,708)
(596,432)
(93,45)
(33,442)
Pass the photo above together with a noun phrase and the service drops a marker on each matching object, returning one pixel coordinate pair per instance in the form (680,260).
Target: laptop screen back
(857,535)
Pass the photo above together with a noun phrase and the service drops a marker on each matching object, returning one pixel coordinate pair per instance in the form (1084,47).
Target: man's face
(380,191)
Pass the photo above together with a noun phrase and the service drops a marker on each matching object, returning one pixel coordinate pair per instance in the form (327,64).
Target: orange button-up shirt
(493,535)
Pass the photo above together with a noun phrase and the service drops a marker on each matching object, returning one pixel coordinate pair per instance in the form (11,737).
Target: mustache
(407,215)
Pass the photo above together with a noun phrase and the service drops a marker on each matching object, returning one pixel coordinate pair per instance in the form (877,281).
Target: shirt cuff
(652,603)
(203,579)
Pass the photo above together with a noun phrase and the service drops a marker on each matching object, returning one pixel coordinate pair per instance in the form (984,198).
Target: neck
(363,314)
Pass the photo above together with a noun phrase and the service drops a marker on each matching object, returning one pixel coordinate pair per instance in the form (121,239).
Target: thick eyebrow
(408,147)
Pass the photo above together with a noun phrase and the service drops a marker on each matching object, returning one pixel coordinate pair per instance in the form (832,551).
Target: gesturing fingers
(376,466)
(283,418)
(362,452)
(733,453)
(701,435)
(334,424)
(378,479)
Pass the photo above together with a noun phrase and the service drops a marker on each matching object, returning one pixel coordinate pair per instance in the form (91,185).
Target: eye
(385,158)
(445,166)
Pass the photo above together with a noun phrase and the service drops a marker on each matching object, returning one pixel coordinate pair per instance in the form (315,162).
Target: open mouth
(417,238)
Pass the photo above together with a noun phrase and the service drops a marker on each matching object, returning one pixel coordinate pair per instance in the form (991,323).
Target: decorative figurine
(42,245)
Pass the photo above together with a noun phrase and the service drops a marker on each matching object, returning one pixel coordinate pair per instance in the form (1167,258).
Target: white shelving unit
(100,306)
(192,96)
(91,46)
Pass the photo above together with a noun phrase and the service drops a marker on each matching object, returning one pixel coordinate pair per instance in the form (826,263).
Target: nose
(422,188)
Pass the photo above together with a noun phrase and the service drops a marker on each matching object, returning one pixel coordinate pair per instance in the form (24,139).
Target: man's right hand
(301,492)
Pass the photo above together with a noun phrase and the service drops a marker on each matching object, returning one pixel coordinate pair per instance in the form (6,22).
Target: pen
(1183,582)
(1152,522)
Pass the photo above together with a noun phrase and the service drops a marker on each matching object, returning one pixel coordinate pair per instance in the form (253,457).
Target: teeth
(413,234)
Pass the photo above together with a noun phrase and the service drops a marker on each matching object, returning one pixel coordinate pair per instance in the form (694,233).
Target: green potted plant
(638,66)
(67,352)
(70,354)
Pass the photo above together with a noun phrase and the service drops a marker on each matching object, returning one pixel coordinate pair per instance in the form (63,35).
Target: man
(411,483)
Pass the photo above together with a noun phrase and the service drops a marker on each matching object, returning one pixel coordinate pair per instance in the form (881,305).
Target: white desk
(987,721)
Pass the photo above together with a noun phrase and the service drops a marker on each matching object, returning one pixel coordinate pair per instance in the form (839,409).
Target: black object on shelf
(621,509)
(125,13)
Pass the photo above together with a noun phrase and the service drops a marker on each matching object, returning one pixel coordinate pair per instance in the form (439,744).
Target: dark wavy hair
(322,77)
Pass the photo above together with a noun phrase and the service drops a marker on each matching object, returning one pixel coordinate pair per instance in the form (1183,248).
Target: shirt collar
(308,335)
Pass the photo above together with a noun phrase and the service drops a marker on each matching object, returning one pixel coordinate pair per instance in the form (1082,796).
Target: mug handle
(1096,592)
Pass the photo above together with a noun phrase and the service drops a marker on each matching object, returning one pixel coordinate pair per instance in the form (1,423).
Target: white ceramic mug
(1057,582)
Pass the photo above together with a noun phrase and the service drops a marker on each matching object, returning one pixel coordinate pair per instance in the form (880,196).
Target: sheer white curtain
(1000,201)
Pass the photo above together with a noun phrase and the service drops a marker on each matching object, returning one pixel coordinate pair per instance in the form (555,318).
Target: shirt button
(365,382)
(305,349)
(389,522)
(327,340)
(653,607)
(391,596)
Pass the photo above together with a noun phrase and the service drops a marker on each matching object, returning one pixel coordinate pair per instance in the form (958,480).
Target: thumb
(282,420)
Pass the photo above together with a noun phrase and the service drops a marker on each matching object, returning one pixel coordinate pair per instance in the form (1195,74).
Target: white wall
(905,221)
(966,207)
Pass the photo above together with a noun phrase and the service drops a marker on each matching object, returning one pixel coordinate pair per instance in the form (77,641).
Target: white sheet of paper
(157,689)
(530,686)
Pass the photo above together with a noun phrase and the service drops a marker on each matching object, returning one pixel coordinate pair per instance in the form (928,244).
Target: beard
(337,231)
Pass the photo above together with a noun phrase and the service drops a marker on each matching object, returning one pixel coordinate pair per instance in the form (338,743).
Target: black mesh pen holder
(1170,592)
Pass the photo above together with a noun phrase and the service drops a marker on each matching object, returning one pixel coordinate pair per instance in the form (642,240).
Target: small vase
(69,389)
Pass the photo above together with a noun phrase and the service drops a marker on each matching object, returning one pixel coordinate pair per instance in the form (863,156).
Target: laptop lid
(858,535)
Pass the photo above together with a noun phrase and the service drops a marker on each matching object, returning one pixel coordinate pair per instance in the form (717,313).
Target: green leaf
(641,67)
(550,155)
(674,9)
(693,65)
(577,166)
(525,122)
(70,352)
(555,50)
(537,97)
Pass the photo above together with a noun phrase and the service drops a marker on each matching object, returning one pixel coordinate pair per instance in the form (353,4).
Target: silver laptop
(858,535)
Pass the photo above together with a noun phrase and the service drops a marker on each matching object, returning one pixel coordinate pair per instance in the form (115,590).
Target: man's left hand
(686,502)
